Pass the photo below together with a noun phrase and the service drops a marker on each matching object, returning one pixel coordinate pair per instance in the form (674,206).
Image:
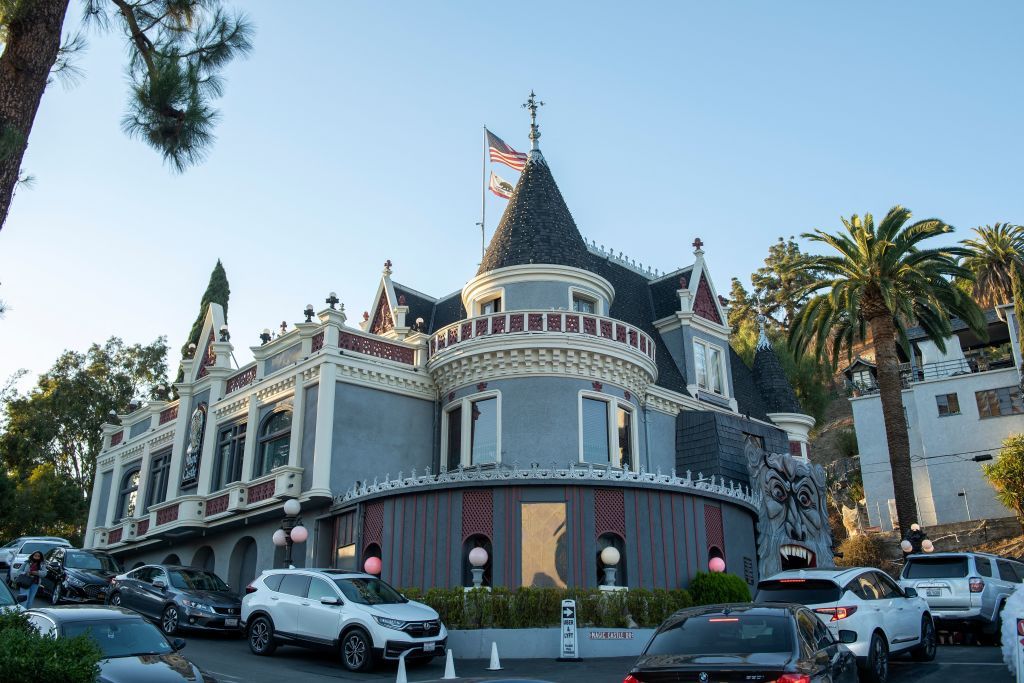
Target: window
(227,465)
(998,402)
(606,431)
(948,404)
(295,584)
(472,431)
(491,306)
(708,367)
(273,581)
(984,566)
(583,304)
(1006,572)
(159,473)
(318,588)
(127,495)
(275,442)
(863,379)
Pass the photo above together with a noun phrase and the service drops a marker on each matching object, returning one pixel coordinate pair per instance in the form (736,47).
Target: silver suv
(963,589)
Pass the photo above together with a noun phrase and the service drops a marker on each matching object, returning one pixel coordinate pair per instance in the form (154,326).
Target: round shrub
(715,588)
(861,551)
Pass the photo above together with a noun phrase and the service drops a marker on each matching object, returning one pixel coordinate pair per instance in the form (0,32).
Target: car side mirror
(847,637)
(910,592)
(160,585)
(328,600)
(178,644)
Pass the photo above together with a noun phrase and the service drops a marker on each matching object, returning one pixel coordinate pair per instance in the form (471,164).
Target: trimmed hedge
(541,607)
(27,656)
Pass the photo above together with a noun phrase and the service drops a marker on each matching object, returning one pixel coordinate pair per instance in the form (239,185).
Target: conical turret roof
(771,381)
(536,226)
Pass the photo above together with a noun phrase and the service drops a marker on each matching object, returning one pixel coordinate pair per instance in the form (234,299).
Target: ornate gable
(382,321)
(704,302)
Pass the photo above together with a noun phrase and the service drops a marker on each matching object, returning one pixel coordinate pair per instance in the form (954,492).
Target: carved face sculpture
(793,530)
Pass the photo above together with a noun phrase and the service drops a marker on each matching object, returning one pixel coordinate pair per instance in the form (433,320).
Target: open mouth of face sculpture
(797,557)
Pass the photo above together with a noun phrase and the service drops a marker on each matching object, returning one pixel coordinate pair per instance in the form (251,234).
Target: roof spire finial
(532,103)
(762,338)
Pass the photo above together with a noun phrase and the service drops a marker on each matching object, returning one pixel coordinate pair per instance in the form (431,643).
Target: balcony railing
(910,374)
(533,322)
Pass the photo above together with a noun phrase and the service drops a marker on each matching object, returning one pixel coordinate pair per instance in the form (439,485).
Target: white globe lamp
(906,546)
(280,538)
(477,559)
(927,546)
(292,507)
(299,534)
(610,557)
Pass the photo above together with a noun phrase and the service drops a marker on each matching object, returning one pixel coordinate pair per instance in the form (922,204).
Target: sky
(352,135)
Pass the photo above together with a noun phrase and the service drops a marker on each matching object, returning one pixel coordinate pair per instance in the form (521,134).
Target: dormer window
(583,304)
(491,306)
(709,367)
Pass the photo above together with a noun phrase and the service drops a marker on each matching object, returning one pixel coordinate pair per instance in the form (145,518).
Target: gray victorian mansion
(563,401)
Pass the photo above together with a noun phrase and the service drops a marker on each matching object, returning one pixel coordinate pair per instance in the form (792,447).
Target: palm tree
(996,260)
(881,280)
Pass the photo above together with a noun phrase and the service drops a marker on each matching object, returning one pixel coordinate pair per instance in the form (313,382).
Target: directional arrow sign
(569,647)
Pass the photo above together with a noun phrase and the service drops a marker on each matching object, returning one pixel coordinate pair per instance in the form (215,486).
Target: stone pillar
(115,489)
(144,468)
(298,410)
(251,438)
(324,439)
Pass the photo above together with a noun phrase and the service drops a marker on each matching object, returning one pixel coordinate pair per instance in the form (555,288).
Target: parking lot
(231,661)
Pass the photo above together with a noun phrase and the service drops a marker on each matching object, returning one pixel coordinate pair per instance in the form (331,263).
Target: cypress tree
(217,292)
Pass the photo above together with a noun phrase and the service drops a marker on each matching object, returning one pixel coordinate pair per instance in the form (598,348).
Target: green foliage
(741,306)
(218,291)
(713,588)
(780,288)
(25,655)
(1006,474)
(861,551)
(846,442)
(991,257)
(541,607)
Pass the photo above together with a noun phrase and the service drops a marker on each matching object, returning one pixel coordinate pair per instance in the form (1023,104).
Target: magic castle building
(563,401)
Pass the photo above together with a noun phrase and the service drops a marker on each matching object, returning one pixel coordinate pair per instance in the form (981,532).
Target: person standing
(31,574)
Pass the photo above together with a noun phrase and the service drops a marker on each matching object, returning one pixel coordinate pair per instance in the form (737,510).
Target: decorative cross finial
(532,103)
(387,267)
(697,244)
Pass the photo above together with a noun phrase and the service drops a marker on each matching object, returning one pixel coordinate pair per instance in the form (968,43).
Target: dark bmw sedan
(132,648)
(78,575)
(729,643)
(178,597)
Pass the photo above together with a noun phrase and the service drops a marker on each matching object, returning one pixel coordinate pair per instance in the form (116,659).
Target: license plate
(231,622)
(429,647)
(934,592)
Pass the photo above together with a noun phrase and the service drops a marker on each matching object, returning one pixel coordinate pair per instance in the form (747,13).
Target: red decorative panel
(115,535)
(606,329)
(243,379)
(713,527)
(261,491)
(209,357)
(620,333)
(590,326)
(142,528)
(382,320)
(318,341)
(166,515)
(597,386)
(217,505)
(609,512)
(440,342)
(433,347)
(453,336)
(554,322)
(704,303)
(373,523)
(117,438)
(378,348)
(536,322)
(515,322)
(572,323)
(168,414)
(467,330)
(643,344)
(498,325)
(481,326)
(477,513)
(632,338)
(794,449)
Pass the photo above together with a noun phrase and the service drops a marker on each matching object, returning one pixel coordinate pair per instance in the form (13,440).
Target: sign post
(569,651)
(1020,650)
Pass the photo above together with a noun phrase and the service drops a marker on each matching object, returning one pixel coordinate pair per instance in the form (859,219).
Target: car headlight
(72,581)
(396,624)
(192,604)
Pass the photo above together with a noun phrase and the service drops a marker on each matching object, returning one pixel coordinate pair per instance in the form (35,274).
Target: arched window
(275,440)
(128,494)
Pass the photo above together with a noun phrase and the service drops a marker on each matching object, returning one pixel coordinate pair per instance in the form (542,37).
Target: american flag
(504,154)
(500,186)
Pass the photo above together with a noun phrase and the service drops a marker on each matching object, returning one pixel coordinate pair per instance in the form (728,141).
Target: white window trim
(612,404)
(578,292)
(487,296)
(465,453)
(707,359)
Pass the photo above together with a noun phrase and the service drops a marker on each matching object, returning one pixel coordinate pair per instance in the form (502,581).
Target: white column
(143,495)
(115,488)
(94,510)
(323,445)
(251,438)
(298,410)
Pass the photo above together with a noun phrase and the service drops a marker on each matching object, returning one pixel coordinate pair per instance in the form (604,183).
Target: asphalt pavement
(230,661)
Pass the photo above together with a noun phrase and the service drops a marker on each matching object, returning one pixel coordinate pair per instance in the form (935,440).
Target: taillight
(630,678)
(793,678)
(976,584)
(250,589)
(837,613)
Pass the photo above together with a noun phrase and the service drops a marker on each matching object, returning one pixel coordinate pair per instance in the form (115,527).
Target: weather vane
(532,103)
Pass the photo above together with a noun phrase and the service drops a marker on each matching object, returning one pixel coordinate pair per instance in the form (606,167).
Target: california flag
(500,186)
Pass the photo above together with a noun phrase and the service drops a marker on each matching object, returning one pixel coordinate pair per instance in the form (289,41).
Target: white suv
(358,614)
(885,618)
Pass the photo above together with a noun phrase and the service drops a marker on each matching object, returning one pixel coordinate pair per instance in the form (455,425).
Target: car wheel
(357,650)
(261,636)
(115,599)
(169,620)
(925,651)
(55,594)
(875,668)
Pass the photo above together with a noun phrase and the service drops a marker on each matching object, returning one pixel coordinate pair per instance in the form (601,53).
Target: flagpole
(483,198)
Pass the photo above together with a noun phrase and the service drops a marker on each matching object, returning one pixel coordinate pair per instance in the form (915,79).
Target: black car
(132,648)
(77,575)
(743,642)
(179,597)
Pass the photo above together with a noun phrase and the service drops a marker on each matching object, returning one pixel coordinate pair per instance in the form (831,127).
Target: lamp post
(308,312)
(478,558)
(291,530)
(610,557)
(916,541)
(962,493)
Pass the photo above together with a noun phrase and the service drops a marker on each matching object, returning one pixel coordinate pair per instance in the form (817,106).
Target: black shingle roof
(664,293)
(537,226)
(420,306)
(748,398)
(771,381)
(447,311)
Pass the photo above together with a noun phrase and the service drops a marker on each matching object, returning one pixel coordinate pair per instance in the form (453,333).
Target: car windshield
(724,634)
(196,580)
(935,568)
(801,591)
(42,546)
(369,591)
(121,637)
(83,560)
